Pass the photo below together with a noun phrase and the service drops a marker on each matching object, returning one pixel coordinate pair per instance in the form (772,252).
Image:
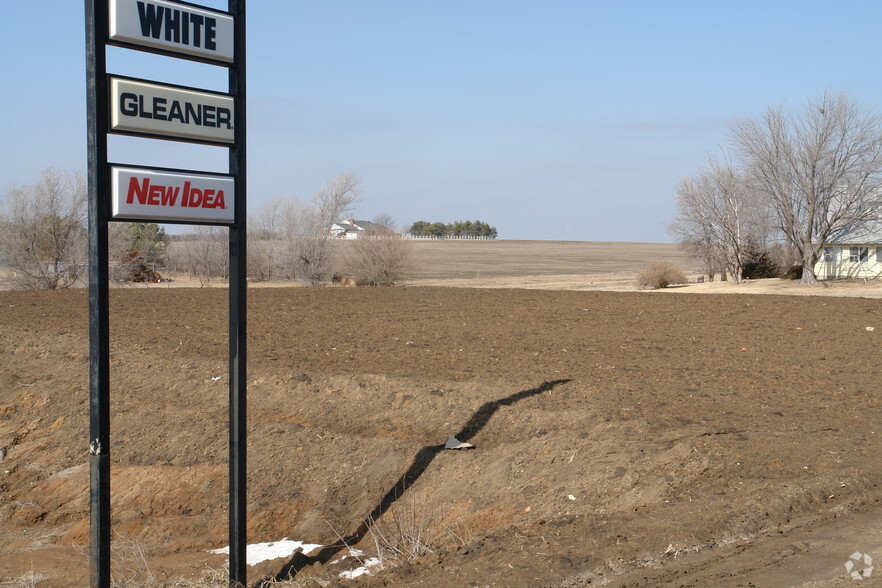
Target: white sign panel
(167,111)
(174,27)
(171,196)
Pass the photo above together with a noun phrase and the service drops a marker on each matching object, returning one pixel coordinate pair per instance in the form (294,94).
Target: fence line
(434,237)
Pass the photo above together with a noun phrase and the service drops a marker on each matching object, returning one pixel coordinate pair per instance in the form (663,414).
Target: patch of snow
(258,552)
(353,552)
(365,569)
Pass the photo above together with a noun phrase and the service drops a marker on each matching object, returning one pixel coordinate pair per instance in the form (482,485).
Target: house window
(878,254)
(833,254)
(858,254)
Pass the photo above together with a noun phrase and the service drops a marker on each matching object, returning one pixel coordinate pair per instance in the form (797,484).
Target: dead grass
(129,568)
(404,534)
(30,579)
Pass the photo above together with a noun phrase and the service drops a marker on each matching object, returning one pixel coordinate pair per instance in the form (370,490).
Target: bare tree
(313,249)
(290,239)
(385,220)
(376,261)
(43,231)
(702,246)
(202,252)
(330,204)
(336,200)
(293,231)
(264,232)
(718,215)
(820,170)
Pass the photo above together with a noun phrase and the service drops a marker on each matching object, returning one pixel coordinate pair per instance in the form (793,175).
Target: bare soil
(621,438)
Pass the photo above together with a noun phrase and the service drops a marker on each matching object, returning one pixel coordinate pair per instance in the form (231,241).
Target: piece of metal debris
(95,447)
(454,443)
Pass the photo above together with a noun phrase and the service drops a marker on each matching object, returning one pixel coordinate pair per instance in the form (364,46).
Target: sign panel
(169,111)
(179,28)
(149,194)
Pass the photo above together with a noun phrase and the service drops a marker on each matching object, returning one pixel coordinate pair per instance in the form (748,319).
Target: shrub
(760,266)
(794,273)
(660,274)
(376,261)
(131,267)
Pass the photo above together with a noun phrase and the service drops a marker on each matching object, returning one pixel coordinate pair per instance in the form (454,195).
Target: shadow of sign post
(418,466)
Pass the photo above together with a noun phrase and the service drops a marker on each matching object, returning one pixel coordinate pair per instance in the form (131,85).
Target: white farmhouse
(358,229)
(853,253)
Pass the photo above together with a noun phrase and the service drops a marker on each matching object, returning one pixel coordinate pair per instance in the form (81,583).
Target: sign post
(99,321)
(238,322)
(128,192)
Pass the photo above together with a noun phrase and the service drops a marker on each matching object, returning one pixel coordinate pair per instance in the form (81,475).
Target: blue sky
(547,119)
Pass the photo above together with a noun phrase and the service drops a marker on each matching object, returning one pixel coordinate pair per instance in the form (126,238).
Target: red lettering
(195,198)
(145,193)
(138,191)
(170,196)
(155,193)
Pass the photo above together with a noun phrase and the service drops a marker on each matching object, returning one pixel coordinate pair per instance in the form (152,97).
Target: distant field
(585,265)
(503,263)
(441,259)
(553,265)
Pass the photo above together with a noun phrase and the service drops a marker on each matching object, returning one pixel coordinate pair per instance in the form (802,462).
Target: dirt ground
(621,438)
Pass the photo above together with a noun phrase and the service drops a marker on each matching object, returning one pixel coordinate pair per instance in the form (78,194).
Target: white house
(853,253)
(353,229)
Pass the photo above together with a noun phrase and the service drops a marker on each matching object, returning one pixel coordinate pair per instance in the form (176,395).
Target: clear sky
(548,119)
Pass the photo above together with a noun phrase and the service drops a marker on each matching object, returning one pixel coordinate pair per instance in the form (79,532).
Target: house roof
(362,225)
(860,234)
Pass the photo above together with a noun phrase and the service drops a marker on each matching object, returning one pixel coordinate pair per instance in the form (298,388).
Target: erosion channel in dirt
(623,439)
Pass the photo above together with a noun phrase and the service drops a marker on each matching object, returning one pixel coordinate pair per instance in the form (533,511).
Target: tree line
(43,240)
(783,186)
(455,229)
(43,236)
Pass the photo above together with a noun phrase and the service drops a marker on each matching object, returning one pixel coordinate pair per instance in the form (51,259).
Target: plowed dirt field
(621,438)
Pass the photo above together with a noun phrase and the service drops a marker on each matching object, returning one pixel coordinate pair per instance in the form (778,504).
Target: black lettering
(192,113)
(208,114)
(197,20)
(141,112)
(175,112)
(185,27)
(151,19)
(210,33)
(128,104)
(173,25)
(223,117)
(159,108)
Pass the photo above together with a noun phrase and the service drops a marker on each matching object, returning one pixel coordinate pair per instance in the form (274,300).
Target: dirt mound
(620,438)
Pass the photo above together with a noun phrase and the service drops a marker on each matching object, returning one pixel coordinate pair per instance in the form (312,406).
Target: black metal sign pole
(99,345)
(238,289)
(99,322)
